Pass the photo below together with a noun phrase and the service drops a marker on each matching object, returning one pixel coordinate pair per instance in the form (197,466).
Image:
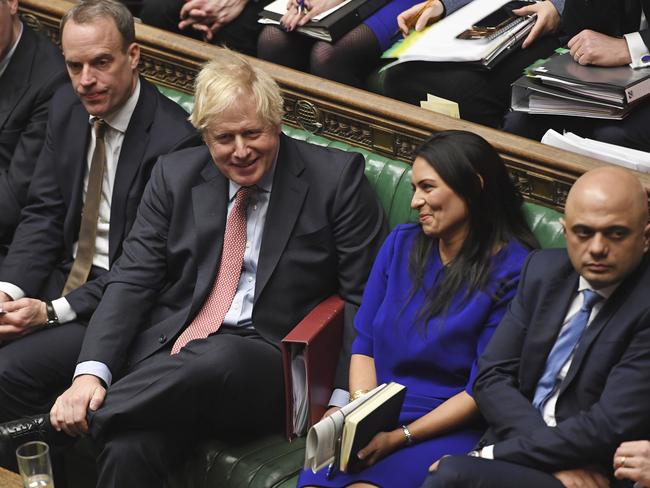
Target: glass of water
(34,465)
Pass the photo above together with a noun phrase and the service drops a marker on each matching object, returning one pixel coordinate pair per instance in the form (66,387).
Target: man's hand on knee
(582,478)
(21,317)
(70,409)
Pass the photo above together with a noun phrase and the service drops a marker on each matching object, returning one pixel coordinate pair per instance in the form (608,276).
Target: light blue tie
(563,348)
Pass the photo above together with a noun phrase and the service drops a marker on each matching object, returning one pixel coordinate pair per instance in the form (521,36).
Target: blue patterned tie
(563,348)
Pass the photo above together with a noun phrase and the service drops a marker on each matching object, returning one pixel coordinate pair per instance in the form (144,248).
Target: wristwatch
(52,318)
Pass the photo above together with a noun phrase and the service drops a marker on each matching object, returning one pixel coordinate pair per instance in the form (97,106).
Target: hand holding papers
(420,16)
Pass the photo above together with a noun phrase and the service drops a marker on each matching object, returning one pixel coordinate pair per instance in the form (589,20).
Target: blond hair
(224,81)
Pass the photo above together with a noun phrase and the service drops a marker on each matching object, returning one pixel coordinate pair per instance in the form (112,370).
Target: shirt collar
(265,184)
(119,120)
(5,62)
(603,292)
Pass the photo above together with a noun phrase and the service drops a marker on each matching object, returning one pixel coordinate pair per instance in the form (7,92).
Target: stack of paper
(611,153)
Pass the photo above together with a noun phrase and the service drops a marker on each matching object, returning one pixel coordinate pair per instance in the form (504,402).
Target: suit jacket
(49,226)
(605,396)
(322,230)
(613,18)
(34,73)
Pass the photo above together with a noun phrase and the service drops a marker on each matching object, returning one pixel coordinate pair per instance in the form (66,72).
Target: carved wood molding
(363,119)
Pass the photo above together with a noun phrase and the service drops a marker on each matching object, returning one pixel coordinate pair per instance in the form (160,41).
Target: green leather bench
(272,461)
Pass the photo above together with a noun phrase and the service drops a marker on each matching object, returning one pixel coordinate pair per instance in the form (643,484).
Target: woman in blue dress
(436,292)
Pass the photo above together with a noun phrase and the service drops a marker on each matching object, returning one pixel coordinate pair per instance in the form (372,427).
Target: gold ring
(622,465)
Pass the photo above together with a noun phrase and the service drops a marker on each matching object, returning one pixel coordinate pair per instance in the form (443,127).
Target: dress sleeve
(502,294)
(373,297)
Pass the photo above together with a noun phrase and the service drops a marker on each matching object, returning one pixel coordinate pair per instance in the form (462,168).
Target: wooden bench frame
(542,173)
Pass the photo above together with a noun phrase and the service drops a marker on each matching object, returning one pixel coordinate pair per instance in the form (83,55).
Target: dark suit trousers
(471,472)
(633,131)
(240,35)
(228,385)
(483,96)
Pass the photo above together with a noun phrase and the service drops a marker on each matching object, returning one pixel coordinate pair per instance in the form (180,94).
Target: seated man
(233,23)
(233,244)
(82,202)
(600,42)
(31,69)
(566,375)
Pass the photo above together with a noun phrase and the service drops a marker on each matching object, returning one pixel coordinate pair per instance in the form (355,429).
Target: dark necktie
(88,229)
(563,348)
(216,306)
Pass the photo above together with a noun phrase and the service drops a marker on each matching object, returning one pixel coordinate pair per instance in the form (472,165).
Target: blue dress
(383,22)
(433,367)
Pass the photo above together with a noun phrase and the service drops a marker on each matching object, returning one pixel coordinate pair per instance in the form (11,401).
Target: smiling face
(606,226)
(102,72)
(443,213)
(242,146)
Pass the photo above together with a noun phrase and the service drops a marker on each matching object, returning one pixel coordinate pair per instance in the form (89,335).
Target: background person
(436,292)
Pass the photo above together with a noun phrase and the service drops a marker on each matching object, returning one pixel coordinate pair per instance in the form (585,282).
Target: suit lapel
(15,80)
(546,326)
(210,206)
(134,145)
(285,205)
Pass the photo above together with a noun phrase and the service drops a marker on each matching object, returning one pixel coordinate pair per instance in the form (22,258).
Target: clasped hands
(20,317)
(208,16)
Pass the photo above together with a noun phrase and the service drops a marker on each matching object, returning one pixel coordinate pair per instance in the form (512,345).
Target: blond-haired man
(249,232)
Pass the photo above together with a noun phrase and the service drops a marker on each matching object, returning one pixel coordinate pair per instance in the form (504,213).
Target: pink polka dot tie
(211,315)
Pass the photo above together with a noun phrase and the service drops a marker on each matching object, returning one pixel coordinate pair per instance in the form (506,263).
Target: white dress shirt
(116,125)
(639,52)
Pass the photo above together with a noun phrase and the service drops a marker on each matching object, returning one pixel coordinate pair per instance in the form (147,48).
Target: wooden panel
(343,113)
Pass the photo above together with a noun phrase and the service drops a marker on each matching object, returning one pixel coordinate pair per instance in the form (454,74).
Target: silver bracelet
(407,435)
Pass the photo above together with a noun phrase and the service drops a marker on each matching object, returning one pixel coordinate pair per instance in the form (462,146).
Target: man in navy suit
(42,325)
(164,375)
(557,409)
(31,69)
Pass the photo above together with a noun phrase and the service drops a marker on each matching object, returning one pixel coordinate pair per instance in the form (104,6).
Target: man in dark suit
(566,376)
(230,249)
(80,207)
(609,34)
(31,69)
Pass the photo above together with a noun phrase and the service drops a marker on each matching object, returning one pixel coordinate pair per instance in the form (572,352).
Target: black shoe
(17,432)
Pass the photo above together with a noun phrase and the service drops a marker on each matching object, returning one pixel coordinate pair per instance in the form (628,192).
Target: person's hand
(424,17)
(548,20)
(582,478)
(330,411)
(296,18)
(381,446)
(632,462)
(21,317)
(208,16)
(591,47)
(69,411)
(4,297)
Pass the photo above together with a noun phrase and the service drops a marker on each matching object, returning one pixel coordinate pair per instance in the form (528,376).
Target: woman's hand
(381,446)
(548,20)
(419,16)
(296,17)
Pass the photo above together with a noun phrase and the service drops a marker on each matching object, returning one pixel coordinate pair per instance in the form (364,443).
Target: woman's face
(443,214)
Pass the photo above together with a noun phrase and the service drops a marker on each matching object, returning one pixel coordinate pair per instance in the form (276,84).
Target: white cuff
(487,452)
(63,310)
(13,291)
(94,368)
(339,398)
(638,50)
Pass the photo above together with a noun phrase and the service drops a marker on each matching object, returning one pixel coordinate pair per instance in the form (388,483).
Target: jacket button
(162,339)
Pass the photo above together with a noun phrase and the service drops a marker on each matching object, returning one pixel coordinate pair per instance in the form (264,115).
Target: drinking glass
(34,465)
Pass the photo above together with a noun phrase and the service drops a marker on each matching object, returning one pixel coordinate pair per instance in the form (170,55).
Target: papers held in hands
(461,37)
(560,86)
(337,439)
(330,25)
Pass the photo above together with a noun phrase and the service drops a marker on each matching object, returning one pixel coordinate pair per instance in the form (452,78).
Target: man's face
(103,74)
(242,146)
(8,11)
(605,242)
